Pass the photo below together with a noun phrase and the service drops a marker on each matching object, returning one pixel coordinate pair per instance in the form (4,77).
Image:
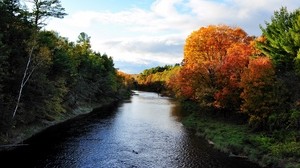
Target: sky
(141,34)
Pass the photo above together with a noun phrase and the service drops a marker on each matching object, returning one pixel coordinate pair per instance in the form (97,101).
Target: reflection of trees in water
(176,111)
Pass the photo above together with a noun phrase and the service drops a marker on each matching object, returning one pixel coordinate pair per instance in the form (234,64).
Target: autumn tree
(158,79)
(205,53)
(127,79)
(259,94)
(181,84)
(229,76)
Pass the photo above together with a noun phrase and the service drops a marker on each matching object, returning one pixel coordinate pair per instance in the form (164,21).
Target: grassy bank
(278,149)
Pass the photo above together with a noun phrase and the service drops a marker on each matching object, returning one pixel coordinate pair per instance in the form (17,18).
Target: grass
(278,149)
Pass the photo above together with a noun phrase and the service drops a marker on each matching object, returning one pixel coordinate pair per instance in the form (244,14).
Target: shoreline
(238,141)
(17,136)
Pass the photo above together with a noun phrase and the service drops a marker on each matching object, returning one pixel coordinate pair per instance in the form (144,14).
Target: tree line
(155,79)
(43,75)
(229,73)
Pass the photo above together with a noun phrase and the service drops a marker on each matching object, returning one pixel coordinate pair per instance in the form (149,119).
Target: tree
(160,79)
(43,9)
(184,84)
(295,34)
(259,95)
(229,90)
(205,52)
(15,32)
(39,71)
(210,44)
(281,39)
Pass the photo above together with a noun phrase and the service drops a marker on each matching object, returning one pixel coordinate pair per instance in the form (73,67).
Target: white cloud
(166,50)
(247,14)
(157,34)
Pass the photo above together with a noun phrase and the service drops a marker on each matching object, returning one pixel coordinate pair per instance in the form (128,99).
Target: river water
(142,132)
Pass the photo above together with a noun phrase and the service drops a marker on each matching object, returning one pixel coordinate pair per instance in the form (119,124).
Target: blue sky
(140,34)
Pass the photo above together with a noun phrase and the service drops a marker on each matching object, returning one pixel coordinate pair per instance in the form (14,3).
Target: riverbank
(19,134)
(268,150)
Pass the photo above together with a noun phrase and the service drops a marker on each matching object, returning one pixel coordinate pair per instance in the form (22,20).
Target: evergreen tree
(43,9)
(281,39)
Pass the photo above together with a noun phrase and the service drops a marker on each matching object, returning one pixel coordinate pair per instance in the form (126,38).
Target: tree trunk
(26,75)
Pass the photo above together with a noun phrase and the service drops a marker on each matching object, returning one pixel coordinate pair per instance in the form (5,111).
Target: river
(142,132)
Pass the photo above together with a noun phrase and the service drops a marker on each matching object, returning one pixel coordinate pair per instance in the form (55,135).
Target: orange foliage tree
(208,52)
(258,83)
(180,84)
(127,79)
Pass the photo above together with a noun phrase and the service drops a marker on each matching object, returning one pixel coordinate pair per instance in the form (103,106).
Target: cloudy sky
(141,34)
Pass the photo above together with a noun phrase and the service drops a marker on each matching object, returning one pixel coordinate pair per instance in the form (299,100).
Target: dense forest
(44,76)
(243,79)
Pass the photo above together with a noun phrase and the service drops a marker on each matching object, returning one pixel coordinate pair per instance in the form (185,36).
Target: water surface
(142,132)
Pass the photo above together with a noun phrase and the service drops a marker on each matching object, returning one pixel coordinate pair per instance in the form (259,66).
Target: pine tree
(281,42)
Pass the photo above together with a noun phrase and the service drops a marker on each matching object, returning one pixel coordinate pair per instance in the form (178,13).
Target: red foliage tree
(229,90)
(258,83)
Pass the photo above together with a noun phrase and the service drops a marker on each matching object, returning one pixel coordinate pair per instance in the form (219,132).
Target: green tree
(281,41)
(43,9)
(46,70)
(15,32)
(295,34)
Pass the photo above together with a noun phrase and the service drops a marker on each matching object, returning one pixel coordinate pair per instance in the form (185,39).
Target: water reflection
(143,132)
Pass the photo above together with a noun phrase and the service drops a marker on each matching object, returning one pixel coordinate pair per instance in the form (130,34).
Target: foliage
(281,42)
(157,69)
(214,58)
(238,140)
(128,80)
(230,72)
(227,72)
(43,9)
(258,90)
(224,70)
(157,79)
(63,75)
(16,32)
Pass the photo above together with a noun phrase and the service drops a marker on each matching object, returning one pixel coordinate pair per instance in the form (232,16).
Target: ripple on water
(139,133)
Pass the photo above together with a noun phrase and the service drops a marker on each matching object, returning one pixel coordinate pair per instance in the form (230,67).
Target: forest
(250,84)
(250,81)
(45,77)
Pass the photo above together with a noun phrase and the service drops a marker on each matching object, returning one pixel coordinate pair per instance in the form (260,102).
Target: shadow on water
(44,145)
(142,132)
